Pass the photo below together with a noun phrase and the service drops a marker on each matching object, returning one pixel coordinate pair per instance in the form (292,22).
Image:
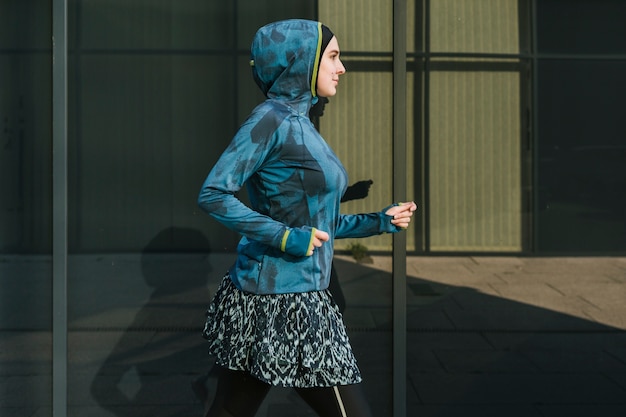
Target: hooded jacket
(293,178)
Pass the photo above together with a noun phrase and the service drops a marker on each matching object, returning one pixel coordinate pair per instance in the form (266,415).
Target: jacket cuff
(385,221)
(296,242)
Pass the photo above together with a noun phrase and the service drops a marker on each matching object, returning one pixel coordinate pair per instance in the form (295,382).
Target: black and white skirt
(291,340)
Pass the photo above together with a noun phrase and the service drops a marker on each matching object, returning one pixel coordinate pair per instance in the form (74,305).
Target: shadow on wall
(147,373)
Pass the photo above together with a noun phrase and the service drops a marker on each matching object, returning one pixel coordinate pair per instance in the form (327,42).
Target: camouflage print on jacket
(293,178)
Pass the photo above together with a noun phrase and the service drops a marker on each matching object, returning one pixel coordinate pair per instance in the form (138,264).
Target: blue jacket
(294,179)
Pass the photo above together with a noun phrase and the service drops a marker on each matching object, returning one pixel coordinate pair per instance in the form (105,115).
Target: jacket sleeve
(364,225)
(245,155)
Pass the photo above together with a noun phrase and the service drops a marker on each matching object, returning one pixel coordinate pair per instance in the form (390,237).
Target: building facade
(500,118)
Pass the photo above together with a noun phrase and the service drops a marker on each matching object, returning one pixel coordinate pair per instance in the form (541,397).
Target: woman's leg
(339,401)
(238,394)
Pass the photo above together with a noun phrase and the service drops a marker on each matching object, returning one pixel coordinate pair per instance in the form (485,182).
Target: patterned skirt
(291,340)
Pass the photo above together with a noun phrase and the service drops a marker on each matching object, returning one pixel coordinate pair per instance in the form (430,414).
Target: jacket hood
(285,58)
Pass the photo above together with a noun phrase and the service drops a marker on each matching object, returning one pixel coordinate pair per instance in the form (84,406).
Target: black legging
(240,395)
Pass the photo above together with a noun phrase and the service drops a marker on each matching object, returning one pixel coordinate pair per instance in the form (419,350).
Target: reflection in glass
(582,174)
(157,90)
(139,338)
(581,26)
(25,209)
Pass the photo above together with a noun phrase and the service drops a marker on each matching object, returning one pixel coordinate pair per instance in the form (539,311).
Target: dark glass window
(157,89)
(582,156)
(581,26)
(25,208)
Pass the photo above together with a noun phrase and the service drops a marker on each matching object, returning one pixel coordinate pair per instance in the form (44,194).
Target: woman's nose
(341,69)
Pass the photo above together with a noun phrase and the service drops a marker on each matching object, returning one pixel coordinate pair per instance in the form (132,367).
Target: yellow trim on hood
(316,64)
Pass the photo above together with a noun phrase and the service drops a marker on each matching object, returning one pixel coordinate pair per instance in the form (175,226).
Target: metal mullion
(534,126)
(59,208)
(426,131)
(399,194)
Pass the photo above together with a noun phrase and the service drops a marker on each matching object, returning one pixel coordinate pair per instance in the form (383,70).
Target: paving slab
(534,388)
(467,410)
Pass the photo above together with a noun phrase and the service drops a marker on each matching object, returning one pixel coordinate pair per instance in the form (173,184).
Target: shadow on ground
(473,352)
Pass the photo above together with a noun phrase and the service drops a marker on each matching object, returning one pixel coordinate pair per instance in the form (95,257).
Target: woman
(272,321)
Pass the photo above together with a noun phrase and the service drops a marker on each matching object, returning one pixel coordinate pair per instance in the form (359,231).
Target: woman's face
(330,70)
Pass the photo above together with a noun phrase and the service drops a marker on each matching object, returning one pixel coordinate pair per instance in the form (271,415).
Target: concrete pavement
(495,336)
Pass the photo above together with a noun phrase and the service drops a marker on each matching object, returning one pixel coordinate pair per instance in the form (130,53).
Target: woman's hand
(402,214)
(317,241)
